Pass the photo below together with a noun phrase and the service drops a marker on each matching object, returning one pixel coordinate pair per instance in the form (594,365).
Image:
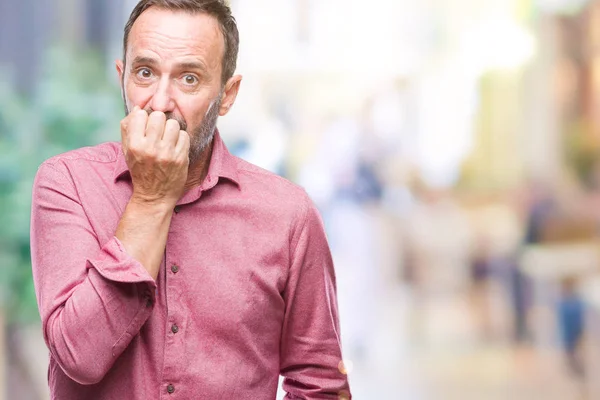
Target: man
(166,267)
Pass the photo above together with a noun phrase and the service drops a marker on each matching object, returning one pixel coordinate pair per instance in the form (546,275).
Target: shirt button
(175,269)
(174,328)
(170,388)
(177,209)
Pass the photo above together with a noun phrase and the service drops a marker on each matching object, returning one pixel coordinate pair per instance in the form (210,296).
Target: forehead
(171,35)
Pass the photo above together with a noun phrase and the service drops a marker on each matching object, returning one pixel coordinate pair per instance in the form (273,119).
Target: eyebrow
(190,65)
(144,60)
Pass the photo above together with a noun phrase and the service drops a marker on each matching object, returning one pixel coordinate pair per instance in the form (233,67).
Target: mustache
(182,123)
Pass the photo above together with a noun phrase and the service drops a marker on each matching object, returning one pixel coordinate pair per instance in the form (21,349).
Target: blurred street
(443,354)
(452,148)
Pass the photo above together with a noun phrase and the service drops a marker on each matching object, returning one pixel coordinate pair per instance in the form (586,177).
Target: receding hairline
(195,64)
(219,31)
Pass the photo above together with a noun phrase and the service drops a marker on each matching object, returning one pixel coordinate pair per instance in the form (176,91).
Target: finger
(136,127)
(182,148)
(156,126)
(171,133)
(125,122)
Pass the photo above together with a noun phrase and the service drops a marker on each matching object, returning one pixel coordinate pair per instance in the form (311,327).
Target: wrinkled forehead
(170,35)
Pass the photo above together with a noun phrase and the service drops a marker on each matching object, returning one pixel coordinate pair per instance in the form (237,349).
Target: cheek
(190,112)
(137,96)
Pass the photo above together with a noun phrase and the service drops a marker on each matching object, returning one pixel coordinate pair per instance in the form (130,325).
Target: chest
(225,259)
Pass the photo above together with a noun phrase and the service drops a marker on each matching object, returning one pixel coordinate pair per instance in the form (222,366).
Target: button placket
(172,285)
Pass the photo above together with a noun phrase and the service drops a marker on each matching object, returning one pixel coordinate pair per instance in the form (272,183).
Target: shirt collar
(222,163)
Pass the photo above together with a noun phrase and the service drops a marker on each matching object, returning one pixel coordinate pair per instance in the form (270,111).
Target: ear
(120,69)
(230,94)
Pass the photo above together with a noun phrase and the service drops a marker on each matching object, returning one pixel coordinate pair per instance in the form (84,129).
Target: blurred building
(29,27)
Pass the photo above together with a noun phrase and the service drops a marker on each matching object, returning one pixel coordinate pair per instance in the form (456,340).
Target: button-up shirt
(246,289)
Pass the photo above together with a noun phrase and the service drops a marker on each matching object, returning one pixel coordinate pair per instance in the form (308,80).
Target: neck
(199,169)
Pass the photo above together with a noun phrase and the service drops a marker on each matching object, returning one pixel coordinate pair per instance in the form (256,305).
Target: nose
(162,99)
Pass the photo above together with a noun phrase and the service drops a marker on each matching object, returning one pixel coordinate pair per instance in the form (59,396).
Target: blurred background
(452,146)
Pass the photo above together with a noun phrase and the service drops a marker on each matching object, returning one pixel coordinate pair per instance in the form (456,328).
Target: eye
(190,80)
(144,73)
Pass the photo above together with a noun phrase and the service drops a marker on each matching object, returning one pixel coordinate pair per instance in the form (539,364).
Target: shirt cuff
(115,264)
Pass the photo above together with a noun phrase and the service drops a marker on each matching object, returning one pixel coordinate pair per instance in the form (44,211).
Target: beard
(201,136)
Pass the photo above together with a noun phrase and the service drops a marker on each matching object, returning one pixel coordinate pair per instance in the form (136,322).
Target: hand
(157,154)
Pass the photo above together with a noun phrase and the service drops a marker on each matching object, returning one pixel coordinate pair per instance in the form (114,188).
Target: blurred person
(541,208)
(440,241)
(497,236)
(570,310)
(164,265)
(354,236)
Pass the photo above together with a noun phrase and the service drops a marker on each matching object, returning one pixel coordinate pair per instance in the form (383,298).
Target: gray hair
(215,8)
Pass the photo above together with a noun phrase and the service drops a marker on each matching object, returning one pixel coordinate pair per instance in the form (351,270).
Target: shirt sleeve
(93,297)
(311,353)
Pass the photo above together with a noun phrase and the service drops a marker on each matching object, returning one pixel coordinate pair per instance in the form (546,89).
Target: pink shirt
(246,289)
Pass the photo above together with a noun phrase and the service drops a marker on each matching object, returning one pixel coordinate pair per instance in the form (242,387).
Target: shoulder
(78,166)
(278,195)
(269,186)
(104,153)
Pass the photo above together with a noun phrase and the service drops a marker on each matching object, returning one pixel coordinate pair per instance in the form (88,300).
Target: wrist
(152,204)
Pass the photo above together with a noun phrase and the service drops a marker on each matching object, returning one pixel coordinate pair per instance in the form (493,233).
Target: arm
(156,151)
(93,297)
(310,346)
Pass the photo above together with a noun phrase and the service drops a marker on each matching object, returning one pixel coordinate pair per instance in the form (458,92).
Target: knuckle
(181,161)
(134,148)
(163,159)
(151,152)
(184,135)
(158,116)
(162,153)
(140,116)
(172,125)
(145,151)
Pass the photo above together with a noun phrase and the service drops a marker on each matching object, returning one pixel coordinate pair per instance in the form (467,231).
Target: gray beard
(203,135)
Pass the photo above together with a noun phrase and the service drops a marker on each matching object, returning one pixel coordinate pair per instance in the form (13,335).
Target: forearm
(143,231)
(96,325)
(104,312)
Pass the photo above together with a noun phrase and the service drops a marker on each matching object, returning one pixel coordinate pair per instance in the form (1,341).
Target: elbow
(79,361)
(85,371)
(85,375)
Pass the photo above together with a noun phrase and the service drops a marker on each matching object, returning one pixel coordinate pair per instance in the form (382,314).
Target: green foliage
(74,105)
